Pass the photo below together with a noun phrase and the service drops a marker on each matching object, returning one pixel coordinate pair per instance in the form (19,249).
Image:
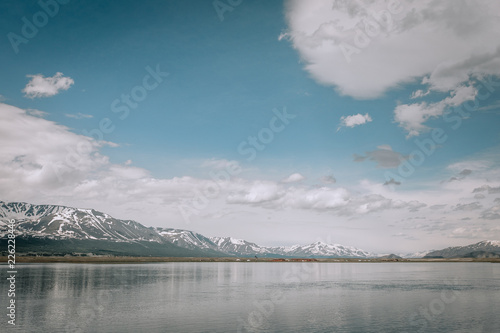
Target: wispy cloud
(78,115)
(37,113)
(491,107)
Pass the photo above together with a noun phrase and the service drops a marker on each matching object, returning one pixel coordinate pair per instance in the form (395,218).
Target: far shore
(125,259)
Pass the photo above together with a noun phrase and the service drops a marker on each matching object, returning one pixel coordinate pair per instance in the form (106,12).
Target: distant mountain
(482,255)
(62,222)
(414,255)
(46,229)
(240,247)
(59,229)
(390,256)
(468,251)
(322,250)
(190,240)
(186,238)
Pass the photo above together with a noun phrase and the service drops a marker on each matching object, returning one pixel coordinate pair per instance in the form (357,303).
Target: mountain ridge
(63,223)
(43,226)
(490,246)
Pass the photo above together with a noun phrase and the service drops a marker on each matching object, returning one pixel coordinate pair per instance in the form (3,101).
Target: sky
(371,124)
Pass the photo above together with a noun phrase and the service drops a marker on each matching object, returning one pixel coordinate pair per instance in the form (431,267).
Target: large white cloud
(364,48)
(33,149)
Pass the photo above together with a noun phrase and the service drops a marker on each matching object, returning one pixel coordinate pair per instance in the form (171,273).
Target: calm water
(256,297)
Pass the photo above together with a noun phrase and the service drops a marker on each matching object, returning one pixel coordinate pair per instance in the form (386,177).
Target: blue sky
(359,97)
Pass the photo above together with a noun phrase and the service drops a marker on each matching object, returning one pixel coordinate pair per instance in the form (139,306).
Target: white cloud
(257,192)
(343,45)
(40,86)
(293,178)
(413,116)
(339,201)
(354,120)
(33,148)
(78,115)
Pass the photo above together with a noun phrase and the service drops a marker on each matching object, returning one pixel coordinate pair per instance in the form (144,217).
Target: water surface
(256,297)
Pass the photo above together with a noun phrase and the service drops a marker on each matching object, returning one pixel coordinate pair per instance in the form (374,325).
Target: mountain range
(54,229)
(484,249)
(49,229)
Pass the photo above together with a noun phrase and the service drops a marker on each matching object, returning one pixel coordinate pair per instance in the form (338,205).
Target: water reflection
(257,297)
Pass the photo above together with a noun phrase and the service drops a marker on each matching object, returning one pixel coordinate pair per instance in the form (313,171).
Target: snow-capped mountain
(192,240)
(67,225)
(67,230)
(60,222)
(315,250)
(240,247)
(54,229)
(186,238)
(322,250)
(487,246)
(414,255)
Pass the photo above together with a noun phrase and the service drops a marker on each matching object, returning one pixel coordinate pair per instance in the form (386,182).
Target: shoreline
(127,259)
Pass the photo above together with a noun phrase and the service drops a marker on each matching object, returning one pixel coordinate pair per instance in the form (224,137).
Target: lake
(256,297)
